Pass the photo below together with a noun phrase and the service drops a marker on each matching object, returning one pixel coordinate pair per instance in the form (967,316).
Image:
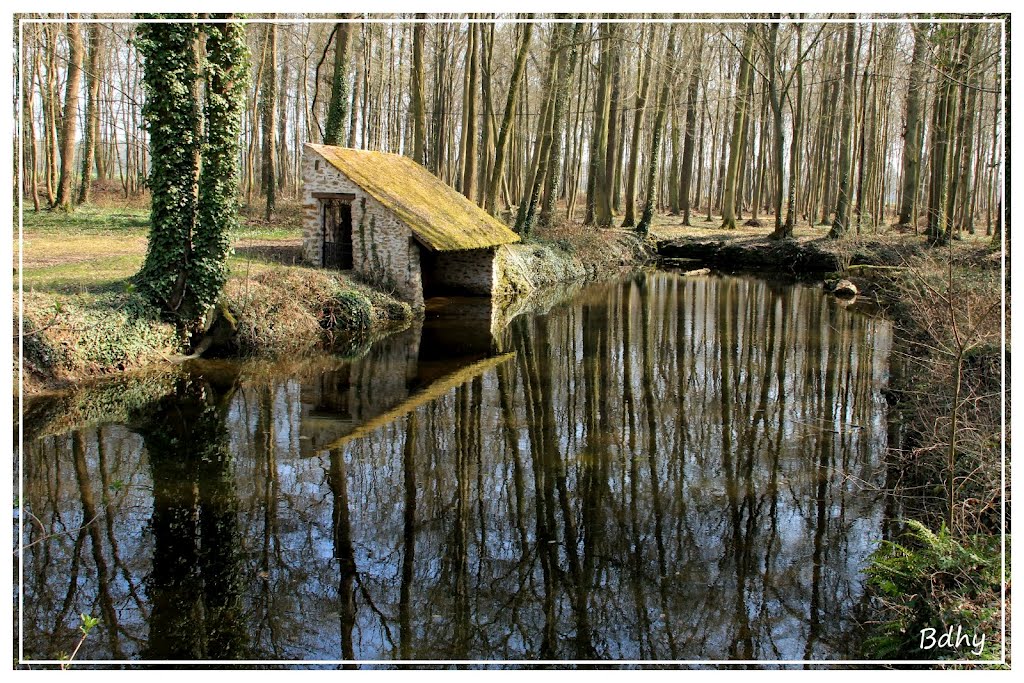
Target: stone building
(397,225)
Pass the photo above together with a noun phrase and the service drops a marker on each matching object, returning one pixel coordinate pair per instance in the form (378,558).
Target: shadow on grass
(77,286)
(285,254)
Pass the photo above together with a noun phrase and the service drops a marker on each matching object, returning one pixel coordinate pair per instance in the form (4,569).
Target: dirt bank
(805,256)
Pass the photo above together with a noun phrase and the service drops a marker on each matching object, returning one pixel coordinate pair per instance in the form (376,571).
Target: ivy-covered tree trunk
(226,74)
(194,75)
(337,110)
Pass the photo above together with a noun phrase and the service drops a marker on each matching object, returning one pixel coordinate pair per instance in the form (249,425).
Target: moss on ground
(567,254)
(66,337)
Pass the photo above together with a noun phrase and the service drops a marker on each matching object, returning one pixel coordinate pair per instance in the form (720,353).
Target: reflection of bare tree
(408,537)
(344,553)
(89,512)
(669,467)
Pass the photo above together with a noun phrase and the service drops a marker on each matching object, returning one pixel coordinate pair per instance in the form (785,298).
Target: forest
(734,387)
(786,121)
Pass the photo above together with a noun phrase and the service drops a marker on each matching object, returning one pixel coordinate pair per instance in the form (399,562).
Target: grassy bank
(83,317)
(567,253)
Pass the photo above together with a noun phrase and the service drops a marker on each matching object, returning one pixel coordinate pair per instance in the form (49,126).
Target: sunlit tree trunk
(729,198)
(639,106)
(70,120)
(504,133)
(268,103)
(658,131)
(912,130)
(842,218)
(92,117)
(688,141)
(337,110)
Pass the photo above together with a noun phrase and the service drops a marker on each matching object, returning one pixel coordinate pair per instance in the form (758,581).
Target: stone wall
(470,271)
(384,252)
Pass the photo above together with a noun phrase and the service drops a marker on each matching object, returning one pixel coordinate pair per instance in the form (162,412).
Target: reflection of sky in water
(735,529)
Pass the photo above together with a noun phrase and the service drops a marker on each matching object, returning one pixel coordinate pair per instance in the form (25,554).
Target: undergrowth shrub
(284,310)
(942,371)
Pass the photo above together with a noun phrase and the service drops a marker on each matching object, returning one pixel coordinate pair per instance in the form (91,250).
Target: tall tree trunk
(611,166)
(566,66)
(92,117)
(911,132)
(501,147)
(70,120)
(268,102)
(469,133)
(688,141)
(31,160)
(943,123)
(542,149)
(658,131)
(283,161)
(961,74)
(736,141)
(419,110)
(337,113)
(50,112)
(638,117)
(599,204)
(485,38)
(842,218)
(795,153)
(353,123)
(673,174)
(778,138)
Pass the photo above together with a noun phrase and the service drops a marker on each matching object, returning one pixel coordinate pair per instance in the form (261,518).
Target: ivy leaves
(194,79)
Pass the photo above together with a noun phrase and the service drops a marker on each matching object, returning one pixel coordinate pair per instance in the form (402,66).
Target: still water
(662,467)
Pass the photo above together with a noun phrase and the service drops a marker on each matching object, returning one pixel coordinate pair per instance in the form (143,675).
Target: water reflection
(663,468)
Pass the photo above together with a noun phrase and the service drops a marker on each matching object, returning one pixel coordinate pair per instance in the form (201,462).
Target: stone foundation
(470,271)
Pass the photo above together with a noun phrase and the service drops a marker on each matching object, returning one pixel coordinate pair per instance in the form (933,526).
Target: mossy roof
(440,218)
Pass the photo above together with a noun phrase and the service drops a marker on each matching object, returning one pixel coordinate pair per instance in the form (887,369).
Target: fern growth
(933,580)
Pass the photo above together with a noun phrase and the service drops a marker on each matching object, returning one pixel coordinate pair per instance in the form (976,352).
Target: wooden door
(337,222)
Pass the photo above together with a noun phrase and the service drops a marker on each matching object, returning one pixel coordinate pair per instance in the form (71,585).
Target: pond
(663,467)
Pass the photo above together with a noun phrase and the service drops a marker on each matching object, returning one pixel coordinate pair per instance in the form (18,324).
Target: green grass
(89,220)
(91,277)
(96,250)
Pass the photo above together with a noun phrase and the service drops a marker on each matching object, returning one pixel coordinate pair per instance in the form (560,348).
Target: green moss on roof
(439,217)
